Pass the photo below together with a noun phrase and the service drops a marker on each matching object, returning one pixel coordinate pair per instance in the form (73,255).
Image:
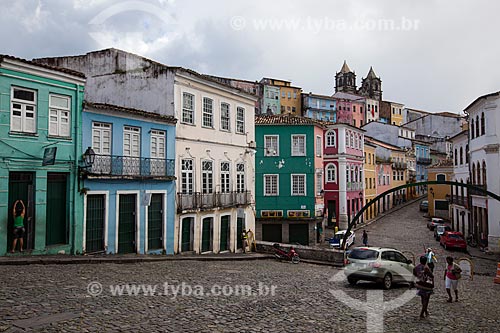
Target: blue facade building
(129,187)
(319,107)
(423,158)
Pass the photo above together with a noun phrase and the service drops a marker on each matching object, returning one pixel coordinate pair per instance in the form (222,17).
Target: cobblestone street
(50,298)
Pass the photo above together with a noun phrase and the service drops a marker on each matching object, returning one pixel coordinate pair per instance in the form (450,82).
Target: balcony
(459,200)
(197,200)
(399,165)
(473,191)
(424,160)
(351,186)
(112,166)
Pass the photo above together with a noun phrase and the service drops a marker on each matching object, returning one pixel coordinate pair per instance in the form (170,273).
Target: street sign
(49,156)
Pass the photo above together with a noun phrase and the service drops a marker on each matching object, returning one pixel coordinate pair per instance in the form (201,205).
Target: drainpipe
(75,169)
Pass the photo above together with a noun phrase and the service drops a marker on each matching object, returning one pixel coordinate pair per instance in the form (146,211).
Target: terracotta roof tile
(287,119)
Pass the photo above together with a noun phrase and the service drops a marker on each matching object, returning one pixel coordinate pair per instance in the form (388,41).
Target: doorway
(126,223)
(21,188)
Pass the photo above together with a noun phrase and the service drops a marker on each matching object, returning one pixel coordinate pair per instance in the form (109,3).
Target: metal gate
(271,233)
(224,232)
(239,232)
(126,223)
(155,222)
(299,233)
(94,223)
(21,188)
(56,231)
(187,227)
(206,236)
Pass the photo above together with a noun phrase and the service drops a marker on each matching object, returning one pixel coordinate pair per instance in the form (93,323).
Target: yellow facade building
(438,195)
(290,96)
(397,113)
(370,179)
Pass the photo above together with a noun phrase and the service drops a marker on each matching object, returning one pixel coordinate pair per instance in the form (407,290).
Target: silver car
(381,265)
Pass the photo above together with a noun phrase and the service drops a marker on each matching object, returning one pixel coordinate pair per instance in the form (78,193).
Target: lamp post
(88,158)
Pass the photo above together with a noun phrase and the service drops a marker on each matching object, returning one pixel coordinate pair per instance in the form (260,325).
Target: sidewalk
(125,258)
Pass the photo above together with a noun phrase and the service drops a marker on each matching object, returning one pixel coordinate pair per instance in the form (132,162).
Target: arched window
(356,174)
(347,173)
(461,156)
(347,138)
(477,126)
(478,175)
(331,139)
(484,173)
(456,157)
(472,128)
(467,153)
(352,173)
(351,138)
(331,173)
(473,173)
(482,123)
(356,141)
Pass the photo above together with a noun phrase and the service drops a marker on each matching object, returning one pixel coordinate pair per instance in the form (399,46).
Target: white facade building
(484,136)
(460,214)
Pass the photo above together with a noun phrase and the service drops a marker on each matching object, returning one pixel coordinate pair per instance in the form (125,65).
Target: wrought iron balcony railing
(473,191)
(424,160)
(459,200)
(197,200)
(131,167)
(399,165)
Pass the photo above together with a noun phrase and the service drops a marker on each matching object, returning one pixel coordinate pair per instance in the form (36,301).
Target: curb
(111,260)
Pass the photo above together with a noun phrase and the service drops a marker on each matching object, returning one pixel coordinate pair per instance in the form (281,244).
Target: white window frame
(24,110)
(60,129)
(331,138)
(319,181)
(99,129)
(240,120)
(331,173)
(158,144)
(295,189)
(188,112)
(207,177)
(225,177)
(296,148)
(225,116)
(240,177)
(207,119)
(187,176)
(271,145)
(269,192)
(319,146)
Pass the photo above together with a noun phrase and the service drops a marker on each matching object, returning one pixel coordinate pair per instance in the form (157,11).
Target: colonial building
(40,149)
(289,96)
(319,107)
(289,179)
(439,195)
(350,109)
(343,164)
(369,168)
(484,160)
(459,208)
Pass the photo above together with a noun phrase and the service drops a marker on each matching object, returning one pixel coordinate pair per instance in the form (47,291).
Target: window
(347,173)
(467,153)
(472,128)
(294,109)
(187,108)
(271,185)
(295,95)
(224,117)
(484,173)
(347,139)
(331,173)
(482,123)
(440,177)
(351,140)
(477,126)
(354,108)
(131,141)
(157,144)
(208,115)
(319,181)
(289,95)
(283,94)
(319,147)
(187,176)
(331,140)
(456,157)
(299,185)
(59,110)
(240,177)
(394,175)
(271,145)
(224,177)
(23,110)
(461,156)
(298,145)
(101,138)
(240,120)
(207,177)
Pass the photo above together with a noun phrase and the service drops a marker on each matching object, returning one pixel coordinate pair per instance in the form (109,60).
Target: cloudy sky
(435,55)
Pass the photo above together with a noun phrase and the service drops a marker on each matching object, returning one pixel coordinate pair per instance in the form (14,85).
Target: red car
(453,239)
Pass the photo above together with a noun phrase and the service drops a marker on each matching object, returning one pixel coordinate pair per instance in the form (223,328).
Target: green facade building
(40,146)
(288,179)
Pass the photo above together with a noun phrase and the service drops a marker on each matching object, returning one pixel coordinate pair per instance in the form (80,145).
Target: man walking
(365,238)
(431,259)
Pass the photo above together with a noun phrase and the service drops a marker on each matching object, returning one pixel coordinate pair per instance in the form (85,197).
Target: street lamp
(432,191)
(88,158)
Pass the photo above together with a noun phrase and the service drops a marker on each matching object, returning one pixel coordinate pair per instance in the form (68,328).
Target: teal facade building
(40,116)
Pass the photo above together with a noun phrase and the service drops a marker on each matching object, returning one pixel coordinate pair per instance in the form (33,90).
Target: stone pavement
(67,298)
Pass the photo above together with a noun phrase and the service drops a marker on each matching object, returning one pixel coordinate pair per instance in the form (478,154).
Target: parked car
(453,240)
(424,206)
(434,222)
(381,265)
(336,240)
(440,229)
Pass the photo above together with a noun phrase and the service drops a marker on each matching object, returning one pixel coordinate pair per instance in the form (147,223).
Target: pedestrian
(431,259)
(424,285)
(451,276)
(244,238)
(365,238)
(18,212)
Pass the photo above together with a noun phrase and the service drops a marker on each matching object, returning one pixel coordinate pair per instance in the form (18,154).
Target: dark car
(439,230)
(424,206)
(454,240)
